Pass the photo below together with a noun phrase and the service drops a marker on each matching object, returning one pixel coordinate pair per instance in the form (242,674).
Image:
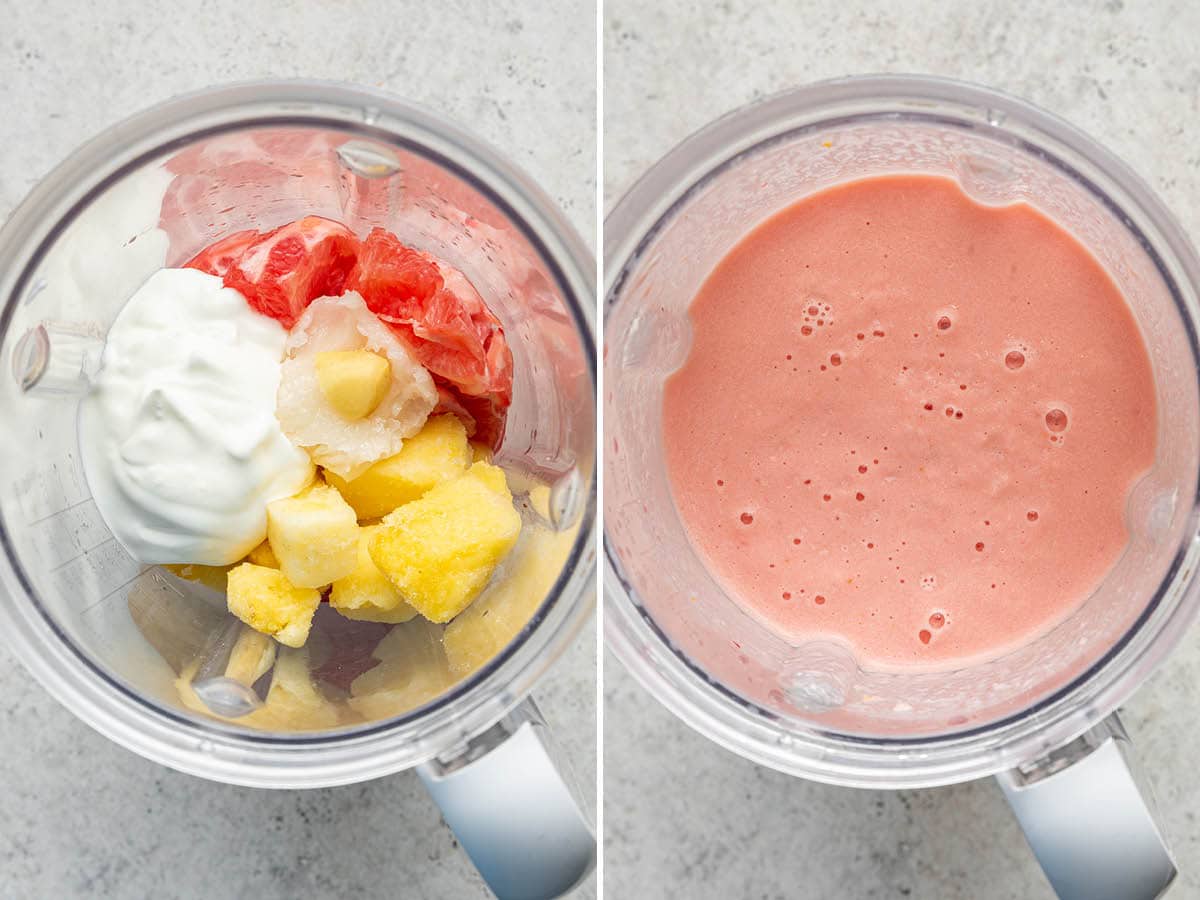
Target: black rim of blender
(614,293)
(587,516)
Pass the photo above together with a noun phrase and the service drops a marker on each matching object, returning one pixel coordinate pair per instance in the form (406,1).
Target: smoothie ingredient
(440,550)
(185,450)
(438,314)
(506,606)
(314,535)
(263,555)
(281,272)
(268,602)
(347,448)
(437,453)
(354,382)
(219,258)
(366,593)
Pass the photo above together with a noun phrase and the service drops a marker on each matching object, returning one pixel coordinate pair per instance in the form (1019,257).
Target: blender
(1039,718)
(153,660)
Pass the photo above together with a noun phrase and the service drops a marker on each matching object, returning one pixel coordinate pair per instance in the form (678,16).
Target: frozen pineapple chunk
(314,535)
(436,453)
(353,381)
(412,671)
(263,555)
(441,550)
(265,600)
(487,626)
(366,594)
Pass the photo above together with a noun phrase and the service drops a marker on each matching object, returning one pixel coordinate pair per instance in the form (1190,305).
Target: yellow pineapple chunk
(487,626)
(354,382)
(366,593)
(480,452)
(437,453)
(265,600)
(314,535)
(412,671)
(263,555)
(441,550)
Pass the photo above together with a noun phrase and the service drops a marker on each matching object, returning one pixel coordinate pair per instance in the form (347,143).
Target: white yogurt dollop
(182,449)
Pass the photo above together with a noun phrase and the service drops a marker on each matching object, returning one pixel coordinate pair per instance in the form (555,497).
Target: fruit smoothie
(909,422)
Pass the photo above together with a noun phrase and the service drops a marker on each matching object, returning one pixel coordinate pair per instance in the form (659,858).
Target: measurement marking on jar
(101,570)
(65,509)
(114,593)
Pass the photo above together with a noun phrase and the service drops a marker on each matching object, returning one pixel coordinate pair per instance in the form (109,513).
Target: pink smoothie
(909,422)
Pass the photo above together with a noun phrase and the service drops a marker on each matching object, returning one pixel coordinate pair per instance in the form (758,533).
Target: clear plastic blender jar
(1040,716)
(152,660)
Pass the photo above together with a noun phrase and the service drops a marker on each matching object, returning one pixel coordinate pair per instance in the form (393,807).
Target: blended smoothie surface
(909,422)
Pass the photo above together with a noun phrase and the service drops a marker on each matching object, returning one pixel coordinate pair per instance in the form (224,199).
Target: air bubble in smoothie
(1014,359)
(1056,420)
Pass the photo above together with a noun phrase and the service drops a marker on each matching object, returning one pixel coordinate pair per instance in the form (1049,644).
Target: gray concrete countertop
(80,816)
(684,818)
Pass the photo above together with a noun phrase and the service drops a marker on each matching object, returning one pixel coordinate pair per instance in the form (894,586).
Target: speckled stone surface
(684,818)
(79,816)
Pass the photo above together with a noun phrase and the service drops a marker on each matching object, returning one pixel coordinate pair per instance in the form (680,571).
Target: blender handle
(1089,824)
(512,809)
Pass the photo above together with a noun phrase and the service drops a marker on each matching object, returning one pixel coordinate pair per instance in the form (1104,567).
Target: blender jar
(153,660)
(1040,715)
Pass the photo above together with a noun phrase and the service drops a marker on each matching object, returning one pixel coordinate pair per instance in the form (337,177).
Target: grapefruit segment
(396,280)
(438,313)
(217,259)
(284,270)
(449,402)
